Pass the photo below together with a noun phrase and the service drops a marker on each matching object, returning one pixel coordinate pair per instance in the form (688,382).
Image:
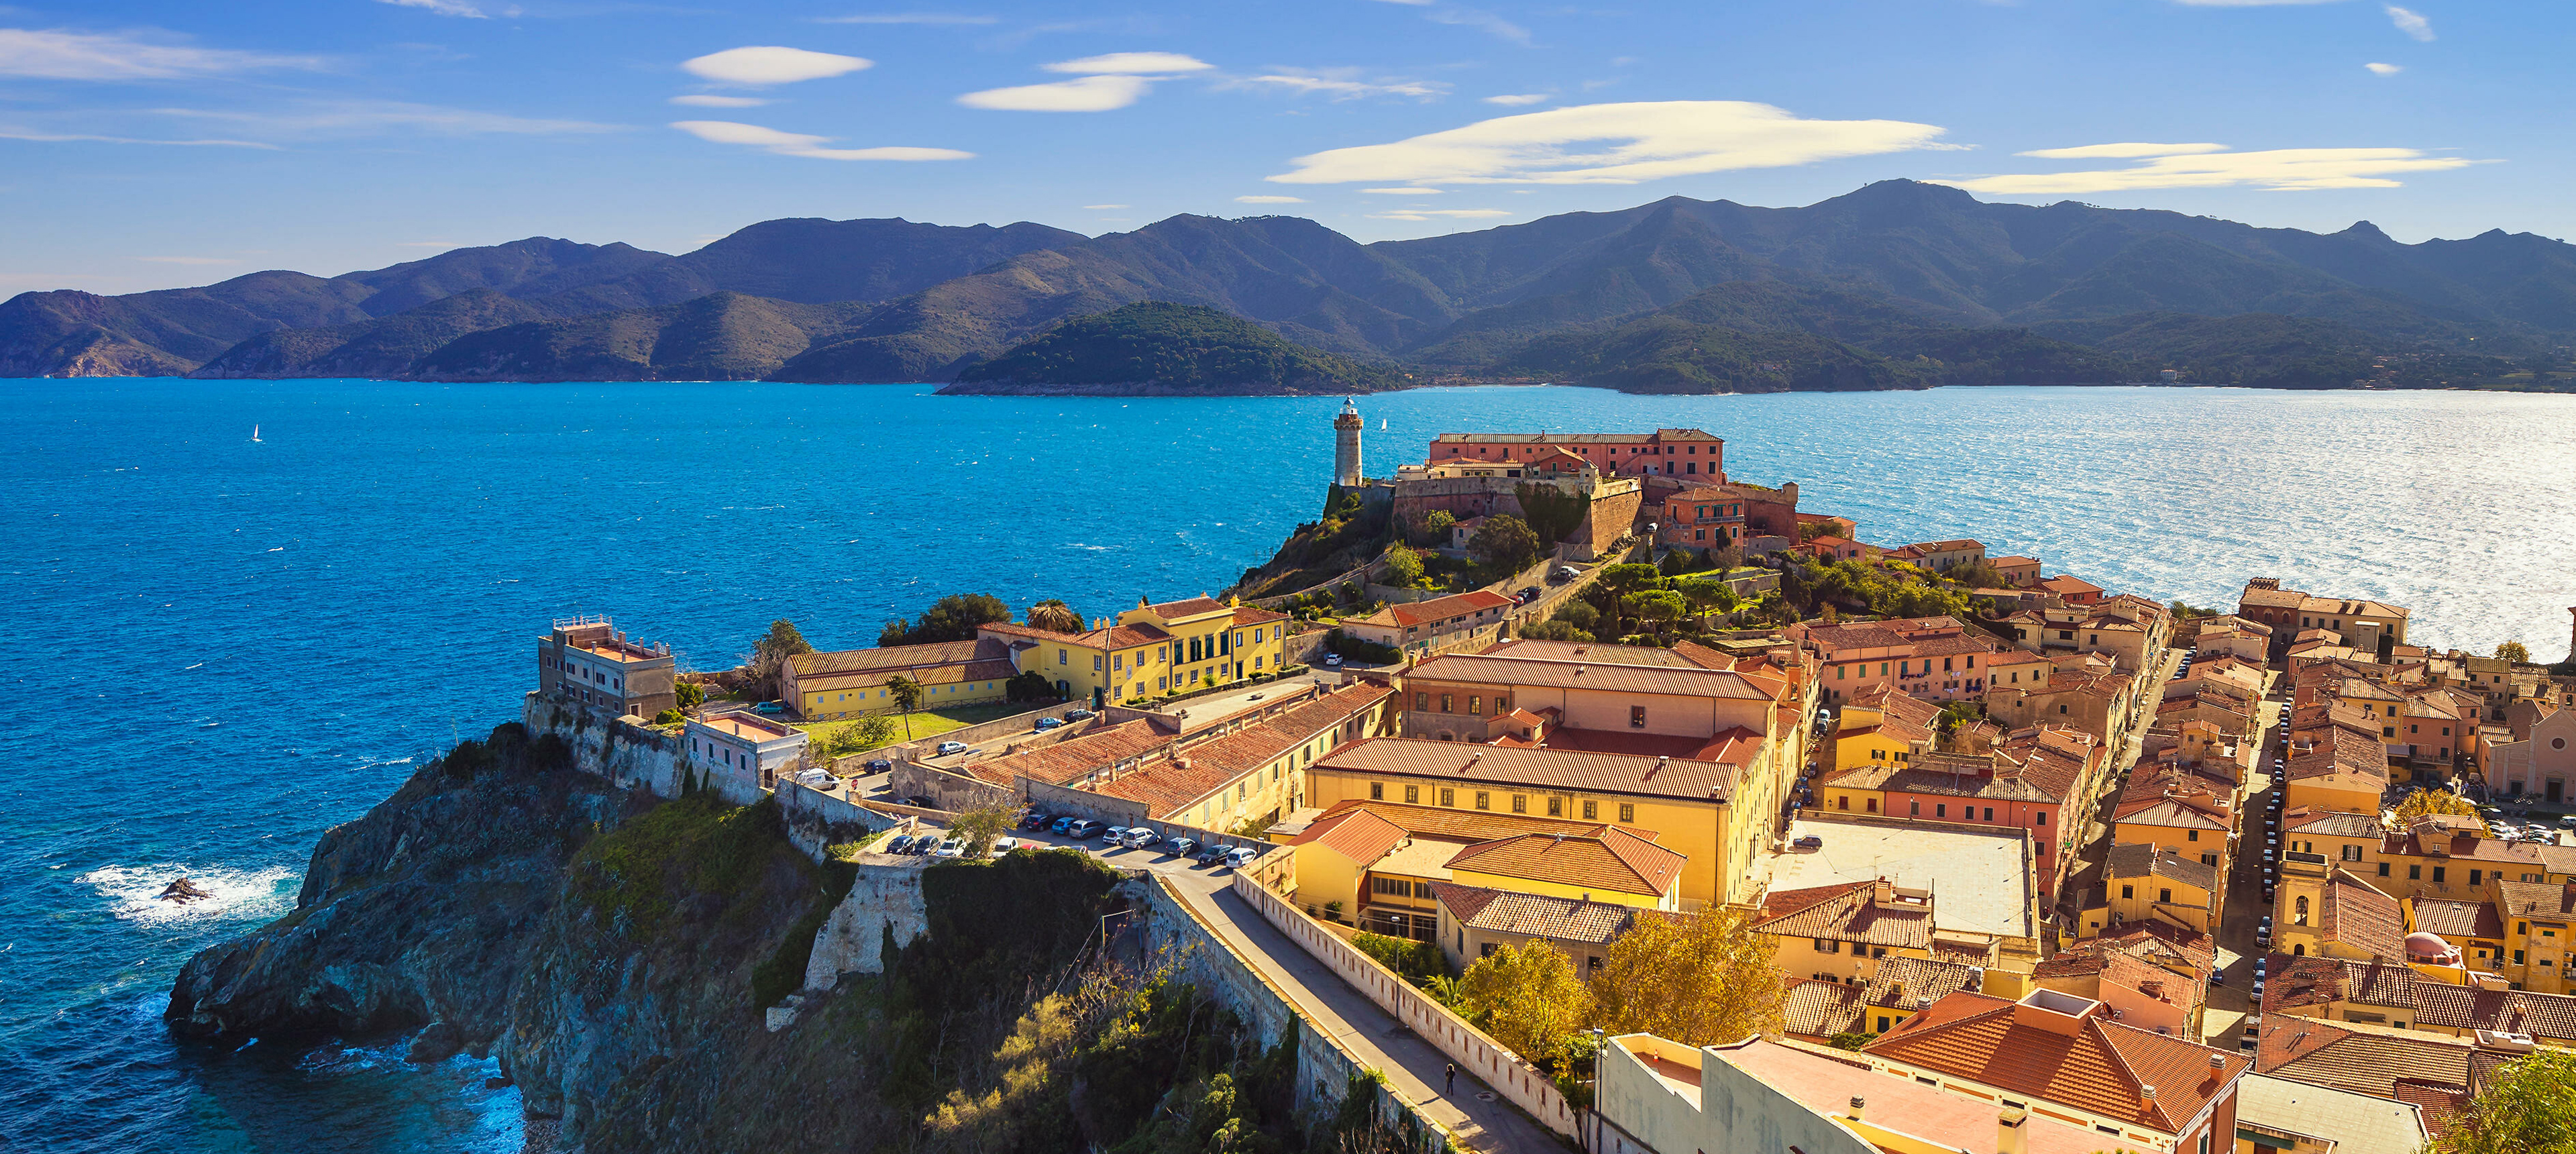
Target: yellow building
(1882,727)
(1377,860)
(1841,932)
(1152,650)
(854,682)
(1689,804)
(2336,770)
(2537,920)
(2146,883)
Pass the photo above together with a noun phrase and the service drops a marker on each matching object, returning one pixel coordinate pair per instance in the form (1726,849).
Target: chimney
(2147,1097)
(1856,1103)
(2217,1065)
(2011,1135)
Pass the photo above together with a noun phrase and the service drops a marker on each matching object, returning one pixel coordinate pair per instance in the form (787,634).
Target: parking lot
(1183,871)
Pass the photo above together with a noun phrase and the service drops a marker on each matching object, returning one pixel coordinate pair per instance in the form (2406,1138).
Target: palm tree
(907,697)
(1054,616)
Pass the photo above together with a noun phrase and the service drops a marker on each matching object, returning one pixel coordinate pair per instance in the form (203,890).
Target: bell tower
(1346,443)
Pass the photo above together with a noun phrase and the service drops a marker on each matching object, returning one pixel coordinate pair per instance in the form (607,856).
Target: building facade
(587,660)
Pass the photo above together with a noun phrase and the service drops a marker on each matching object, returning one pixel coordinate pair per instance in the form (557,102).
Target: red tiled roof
(1616,861)
(1211,765)
(1359,835)
(1845,913)
(2100,1066)
(1076,757)
(1538,915)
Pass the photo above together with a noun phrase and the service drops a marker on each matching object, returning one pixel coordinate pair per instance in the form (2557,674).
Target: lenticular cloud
(1612,144)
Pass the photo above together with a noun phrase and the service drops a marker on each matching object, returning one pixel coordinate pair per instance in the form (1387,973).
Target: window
(2191,835)
(1448,703)
(1627,812)
(1484,800)
(2475,876)
(2438,871)
(1591,810)
(1412,794)
(1842,801)
(2039,818)
(1873,805)
(1556,807)
(2128,891)
(1636,717)
(1448,797)
(1990,813)
(1882,1023)
(1377,791)
(2165,896)
(1520,803)
(1941,809)
(1913,809)
(1828,946)
(2383,866)
(1422,701)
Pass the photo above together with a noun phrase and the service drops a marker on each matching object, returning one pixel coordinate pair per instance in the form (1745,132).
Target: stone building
(586,660)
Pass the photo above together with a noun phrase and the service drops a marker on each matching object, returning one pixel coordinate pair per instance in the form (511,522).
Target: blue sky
(148,145)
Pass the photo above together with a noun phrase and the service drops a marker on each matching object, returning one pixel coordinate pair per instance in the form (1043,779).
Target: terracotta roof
(2316,981)
(1617,861)
(1736,746)
(1535,768)
(1438,610)
(2332,823)
(2360,916)
(2098,1065)
(2551,1016)
(2441,1106)
(2321,1053)
(1075,757)
(1358,835)
(1845,913)
(1816,1008)
(1185,607)
(1910,984)
(1517,664)
(2536,900)
(1210,765)
(2138,860)
(2064,585)
(1469,826)
(1952,546)
(1538,915)
(1902,715)
(1113,637)
(900,657)
(2457,919)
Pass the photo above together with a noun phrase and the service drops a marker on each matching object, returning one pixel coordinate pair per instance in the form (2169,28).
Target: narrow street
(2229,1003)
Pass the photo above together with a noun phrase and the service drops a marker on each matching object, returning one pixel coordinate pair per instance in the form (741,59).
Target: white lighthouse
(1346,443)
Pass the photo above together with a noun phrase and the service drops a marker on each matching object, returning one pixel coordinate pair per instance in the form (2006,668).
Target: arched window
(2303,910)
(2299,950)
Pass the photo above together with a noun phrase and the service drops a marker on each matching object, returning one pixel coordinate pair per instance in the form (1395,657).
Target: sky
(151,145)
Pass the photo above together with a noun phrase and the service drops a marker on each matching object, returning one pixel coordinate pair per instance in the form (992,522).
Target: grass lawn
(928,723)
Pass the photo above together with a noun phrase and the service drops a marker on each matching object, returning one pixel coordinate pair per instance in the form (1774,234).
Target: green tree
(1658,606)
(2184,611)
(1726,559)
(1623,579)
(1440,522)
(1403,567)
(1696,979)
(1578,613)
(1527,998)
(1980,575)
(907,697)
(1677,561)
(1705,594)
(872,732)
(2526,1107)
(2514,651)
(2425,802)
(1505,542)
(981,822)
(1557,629)
(1029,686)
(692,694)
(1054,616)
(771,653)
(951,618)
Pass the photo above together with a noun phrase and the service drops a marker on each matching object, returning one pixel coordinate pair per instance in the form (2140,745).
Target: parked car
(2217,977)
(1047,723)
(1063,824)
(880,765)
(1139,837)
(1180,847)
(1114,835)
(1239,857)
(1333,659)
(2257,992)
(1003,845)
(2568,820)
(1077,715)
(1082,829)
(1208,854)
(902,843)
(1811,841)
(1034,820)
(1529,593)
(1564,573)
(949,747)
(953,847)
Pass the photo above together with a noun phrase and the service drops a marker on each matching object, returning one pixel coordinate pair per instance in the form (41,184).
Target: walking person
(1452,1087)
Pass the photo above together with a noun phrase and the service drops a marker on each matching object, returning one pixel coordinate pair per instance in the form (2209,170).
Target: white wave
(133,893)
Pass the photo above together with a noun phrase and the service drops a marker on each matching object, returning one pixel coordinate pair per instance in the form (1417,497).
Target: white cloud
(1270,200)
(361,117)
(799,144)
(1088,94)
(2411,23)
(1131,64)
(770,64)
(1405,191)
(1105,207)
(2285,169)
(59,55)
(1478,18)
(2121,151)
(1516,99)
(1612,144)
(1341,84)
(908,18)
(2384,69)
(706,101)
(8,133)
(441,7)
(1448,213)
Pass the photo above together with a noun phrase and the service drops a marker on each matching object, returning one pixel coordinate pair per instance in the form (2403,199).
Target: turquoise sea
(221,648)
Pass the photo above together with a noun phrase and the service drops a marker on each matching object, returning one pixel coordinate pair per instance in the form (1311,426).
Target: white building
(743,752)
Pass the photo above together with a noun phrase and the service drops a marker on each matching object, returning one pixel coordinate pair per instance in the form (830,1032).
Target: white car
(1139,837)
(953,847)
(1333,659)
(948,747)
(1003,845)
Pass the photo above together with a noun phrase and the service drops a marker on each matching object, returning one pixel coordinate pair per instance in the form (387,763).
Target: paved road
(2228,1004)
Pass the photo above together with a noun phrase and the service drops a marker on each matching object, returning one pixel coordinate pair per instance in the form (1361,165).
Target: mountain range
(1898,284)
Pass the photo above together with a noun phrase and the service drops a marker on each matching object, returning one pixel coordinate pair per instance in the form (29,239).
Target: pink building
(1929,657)
(1664,452)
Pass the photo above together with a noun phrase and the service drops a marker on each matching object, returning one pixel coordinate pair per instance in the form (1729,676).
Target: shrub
(1412,960)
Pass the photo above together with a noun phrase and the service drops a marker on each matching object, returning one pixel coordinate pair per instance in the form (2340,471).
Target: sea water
(220,648)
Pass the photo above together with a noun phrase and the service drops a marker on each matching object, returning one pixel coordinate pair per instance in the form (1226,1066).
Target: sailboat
(1381,424)
(254,434)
